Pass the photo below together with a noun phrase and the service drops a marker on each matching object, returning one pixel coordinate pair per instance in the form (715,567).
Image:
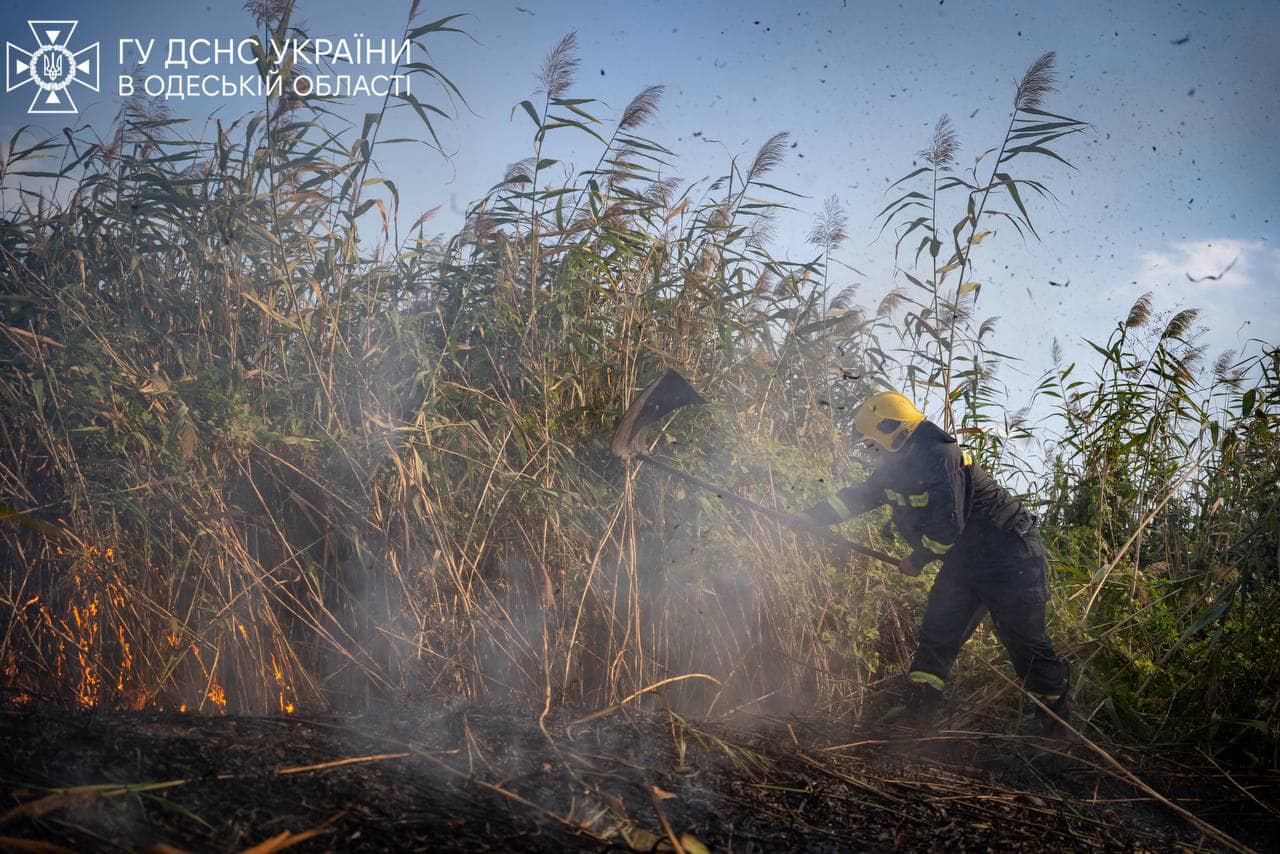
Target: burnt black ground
(478,778)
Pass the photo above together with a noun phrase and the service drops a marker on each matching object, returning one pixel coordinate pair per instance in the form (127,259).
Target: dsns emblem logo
(51,66)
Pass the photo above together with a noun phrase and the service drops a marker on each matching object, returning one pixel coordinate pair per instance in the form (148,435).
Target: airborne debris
(1225,270)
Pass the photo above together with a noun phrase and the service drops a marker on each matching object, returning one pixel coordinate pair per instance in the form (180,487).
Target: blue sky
(1177,177)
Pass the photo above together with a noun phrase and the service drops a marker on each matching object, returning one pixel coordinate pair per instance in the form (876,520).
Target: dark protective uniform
(949,509)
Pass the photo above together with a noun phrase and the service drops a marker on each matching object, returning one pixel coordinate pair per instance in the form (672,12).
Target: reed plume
(1036,83)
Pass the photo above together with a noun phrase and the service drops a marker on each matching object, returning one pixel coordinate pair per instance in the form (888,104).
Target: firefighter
(952,512)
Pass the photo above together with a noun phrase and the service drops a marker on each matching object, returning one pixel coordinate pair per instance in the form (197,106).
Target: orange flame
(286,705)
(98,650)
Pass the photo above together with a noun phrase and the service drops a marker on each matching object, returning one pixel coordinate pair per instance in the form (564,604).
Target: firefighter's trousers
(1004,573)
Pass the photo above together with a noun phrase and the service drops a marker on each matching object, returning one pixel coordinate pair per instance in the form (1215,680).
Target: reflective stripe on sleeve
(967,457)
(921,500)
(934,546)
(837,505)
(922,678)
(895,496)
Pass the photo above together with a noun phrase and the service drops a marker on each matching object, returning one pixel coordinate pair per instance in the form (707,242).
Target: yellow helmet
(888,419)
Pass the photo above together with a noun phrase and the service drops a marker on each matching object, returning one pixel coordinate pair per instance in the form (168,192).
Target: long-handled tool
(665,395)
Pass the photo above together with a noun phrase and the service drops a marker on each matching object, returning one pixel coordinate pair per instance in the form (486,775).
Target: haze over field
(474,468)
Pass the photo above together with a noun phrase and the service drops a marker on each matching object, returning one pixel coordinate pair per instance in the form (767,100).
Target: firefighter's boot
(923,706)
(1051,727)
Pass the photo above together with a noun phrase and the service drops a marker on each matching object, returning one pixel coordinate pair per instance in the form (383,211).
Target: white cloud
(1233,263)
(1243,302)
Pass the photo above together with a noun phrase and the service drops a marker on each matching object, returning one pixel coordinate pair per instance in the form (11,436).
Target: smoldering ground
(475,776)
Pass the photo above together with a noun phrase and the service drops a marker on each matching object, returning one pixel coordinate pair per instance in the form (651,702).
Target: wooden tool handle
(725,495)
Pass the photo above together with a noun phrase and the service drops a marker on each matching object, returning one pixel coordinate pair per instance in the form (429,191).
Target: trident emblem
(52,67)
